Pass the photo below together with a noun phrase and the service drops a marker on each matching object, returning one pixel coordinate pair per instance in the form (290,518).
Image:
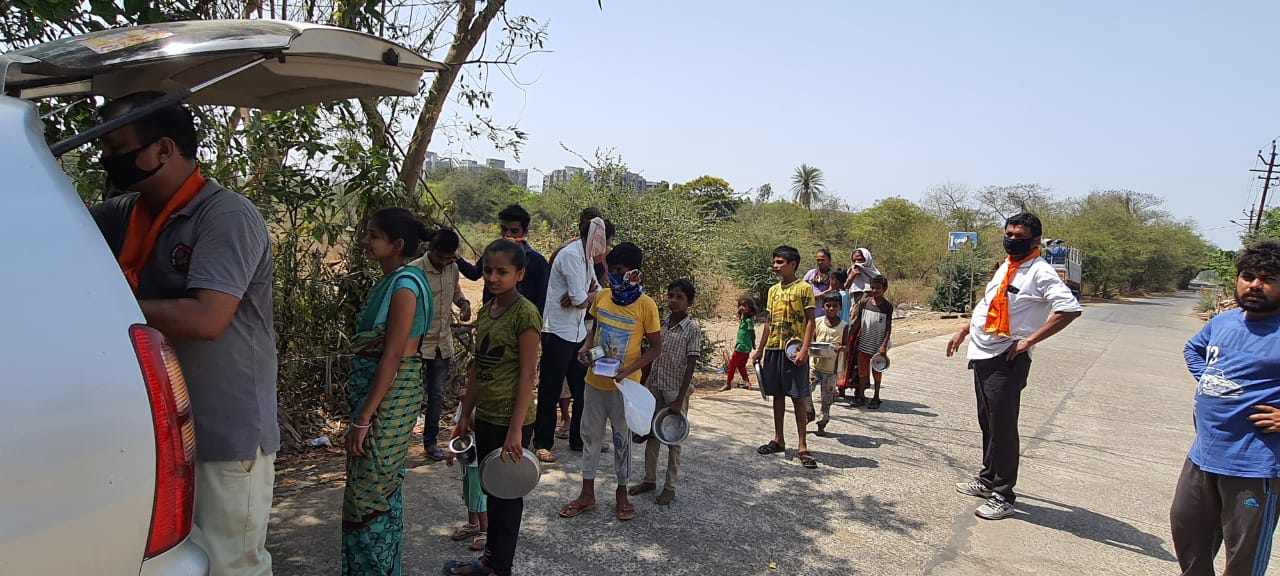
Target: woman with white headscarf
(861,270)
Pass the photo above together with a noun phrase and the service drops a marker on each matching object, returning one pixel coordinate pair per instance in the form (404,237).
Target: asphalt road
(1105,423)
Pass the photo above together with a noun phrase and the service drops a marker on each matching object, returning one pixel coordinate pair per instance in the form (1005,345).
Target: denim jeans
(437,376)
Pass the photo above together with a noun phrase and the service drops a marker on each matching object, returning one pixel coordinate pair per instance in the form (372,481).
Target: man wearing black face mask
(198,258)
(1025,303)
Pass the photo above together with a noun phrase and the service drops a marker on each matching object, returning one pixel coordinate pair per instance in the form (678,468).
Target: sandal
(465,531)
(562,434)
(435,454)
(626,512)
(479,543)
(807,460)
(771,448)
(575,508)
(666,497)
(546,456)
(472,566)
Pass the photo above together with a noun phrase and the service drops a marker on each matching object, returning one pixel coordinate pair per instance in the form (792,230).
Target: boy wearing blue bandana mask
(625,317)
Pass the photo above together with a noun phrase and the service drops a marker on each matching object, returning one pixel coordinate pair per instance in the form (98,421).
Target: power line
(1266,184)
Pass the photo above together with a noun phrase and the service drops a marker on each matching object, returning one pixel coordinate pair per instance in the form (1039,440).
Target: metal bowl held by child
(760,380)
(879,362)
(792,348)
(670,429)
(825,350)
(464,447)
(507,479)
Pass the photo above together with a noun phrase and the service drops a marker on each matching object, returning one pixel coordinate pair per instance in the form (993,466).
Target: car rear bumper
(185,559)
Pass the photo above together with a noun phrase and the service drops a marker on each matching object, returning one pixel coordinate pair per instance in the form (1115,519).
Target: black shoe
(858,401)
(874,403)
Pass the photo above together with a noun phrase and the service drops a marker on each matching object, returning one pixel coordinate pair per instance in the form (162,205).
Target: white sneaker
(974,487)
(994,508)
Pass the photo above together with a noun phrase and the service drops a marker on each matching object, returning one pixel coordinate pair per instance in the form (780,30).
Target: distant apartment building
(518,176)
(561,176)
(630,179)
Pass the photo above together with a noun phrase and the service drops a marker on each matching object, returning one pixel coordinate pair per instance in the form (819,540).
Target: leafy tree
(667,225)
(807,188)
(475,197)
(715,198)
(764,193)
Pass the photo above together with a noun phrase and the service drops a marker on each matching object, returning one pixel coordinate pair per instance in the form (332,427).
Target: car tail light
(171,513)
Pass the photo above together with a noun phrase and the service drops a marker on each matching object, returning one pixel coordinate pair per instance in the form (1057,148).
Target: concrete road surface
(1106,422)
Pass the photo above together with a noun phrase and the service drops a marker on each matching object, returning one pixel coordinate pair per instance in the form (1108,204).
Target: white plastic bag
(639,404)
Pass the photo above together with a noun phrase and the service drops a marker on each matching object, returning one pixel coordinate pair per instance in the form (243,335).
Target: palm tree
(807,188)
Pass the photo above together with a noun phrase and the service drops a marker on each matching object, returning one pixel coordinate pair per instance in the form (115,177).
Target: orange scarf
(998,313)
(144,228)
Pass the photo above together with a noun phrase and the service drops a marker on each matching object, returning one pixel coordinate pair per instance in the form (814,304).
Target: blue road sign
(956,240)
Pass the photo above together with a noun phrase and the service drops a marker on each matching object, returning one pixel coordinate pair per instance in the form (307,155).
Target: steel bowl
(760,380)
(670,429)
(792,348)
(825,350)
(508,480)
(460,444)
(879,362)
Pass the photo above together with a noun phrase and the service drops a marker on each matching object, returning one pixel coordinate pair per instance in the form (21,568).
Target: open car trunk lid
(305,64)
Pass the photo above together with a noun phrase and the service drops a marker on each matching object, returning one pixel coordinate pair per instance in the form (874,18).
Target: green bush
(956,287)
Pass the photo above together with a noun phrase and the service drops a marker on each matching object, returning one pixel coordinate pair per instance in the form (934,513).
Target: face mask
(122,169)
(1018,246)
(625,288)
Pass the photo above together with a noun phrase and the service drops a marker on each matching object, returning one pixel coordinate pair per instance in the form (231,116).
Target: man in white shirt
(1025,303)
(571,288)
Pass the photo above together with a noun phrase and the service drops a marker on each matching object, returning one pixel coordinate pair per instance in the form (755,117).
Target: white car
(96,442)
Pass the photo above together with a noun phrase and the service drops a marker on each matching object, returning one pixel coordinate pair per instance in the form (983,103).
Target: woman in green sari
(385,395)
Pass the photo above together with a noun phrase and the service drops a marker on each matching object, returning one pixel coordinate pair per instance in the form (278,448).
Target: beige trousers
(652,446)
(233,506)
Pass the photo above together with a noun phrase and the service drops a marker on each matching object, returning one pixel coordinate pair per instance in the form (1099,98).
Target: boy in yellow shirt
(625,316)
(791,305)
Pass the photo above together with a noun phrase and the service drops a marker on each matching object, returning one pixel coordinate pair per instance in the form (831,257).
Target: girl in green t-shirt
(500,391)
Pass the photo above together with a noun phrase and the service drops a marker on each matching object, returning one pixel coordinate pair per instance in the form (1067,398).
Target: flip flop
(807,460)
(546,456)
(771,448)
(479,543)
(435,454)
(573,509)
(626,512)
(464,532)
(562,434)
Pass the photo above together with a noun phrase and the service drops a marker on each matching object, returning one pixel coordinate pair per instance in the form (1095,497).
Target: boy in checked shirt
(670,379)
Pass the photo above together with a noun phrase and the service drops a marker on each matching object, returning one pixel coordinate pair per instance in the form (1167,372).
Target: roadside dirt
(310,468)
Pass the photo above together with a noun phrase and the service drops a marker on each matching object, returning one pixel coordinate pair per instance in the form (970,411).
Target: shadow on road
(896,407)
(1090,525)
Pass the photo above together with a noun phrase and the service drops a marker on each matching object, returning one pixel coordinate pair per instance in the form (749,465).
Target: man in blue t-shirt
(1227,493)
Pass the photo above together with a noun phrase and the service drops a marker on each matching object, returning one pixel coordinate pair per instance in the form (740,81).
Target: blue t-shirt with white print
(1237,363)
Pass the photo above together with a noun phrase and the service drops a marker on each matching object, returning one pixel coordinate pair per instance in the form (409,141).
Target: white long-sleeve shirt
(570,274)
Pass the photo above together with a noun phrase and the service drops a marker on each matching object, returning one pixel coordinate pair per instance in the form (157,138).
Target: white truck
(97,446)
(1068,261)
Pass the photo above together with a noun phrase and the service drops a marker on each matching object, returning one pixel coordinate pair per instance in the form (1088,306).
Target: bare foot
(666,497)
(641,488)
(725,388)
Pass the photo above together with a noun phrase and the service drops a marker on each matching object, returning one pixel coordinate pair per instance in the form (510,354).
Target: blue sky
(890,98)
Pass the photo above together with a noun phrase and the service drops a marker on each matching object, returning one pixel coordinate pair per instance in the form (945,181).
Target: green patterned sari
(372,510)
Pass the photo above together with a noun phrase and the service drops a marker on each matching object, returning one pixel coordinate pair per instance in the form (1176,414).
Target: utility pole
(1266,185)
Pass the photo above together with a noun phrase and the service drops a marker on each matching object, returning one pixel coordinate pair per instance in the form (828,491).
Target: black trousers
(559,361)
(504,515)
(1211,510)
(998,385)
